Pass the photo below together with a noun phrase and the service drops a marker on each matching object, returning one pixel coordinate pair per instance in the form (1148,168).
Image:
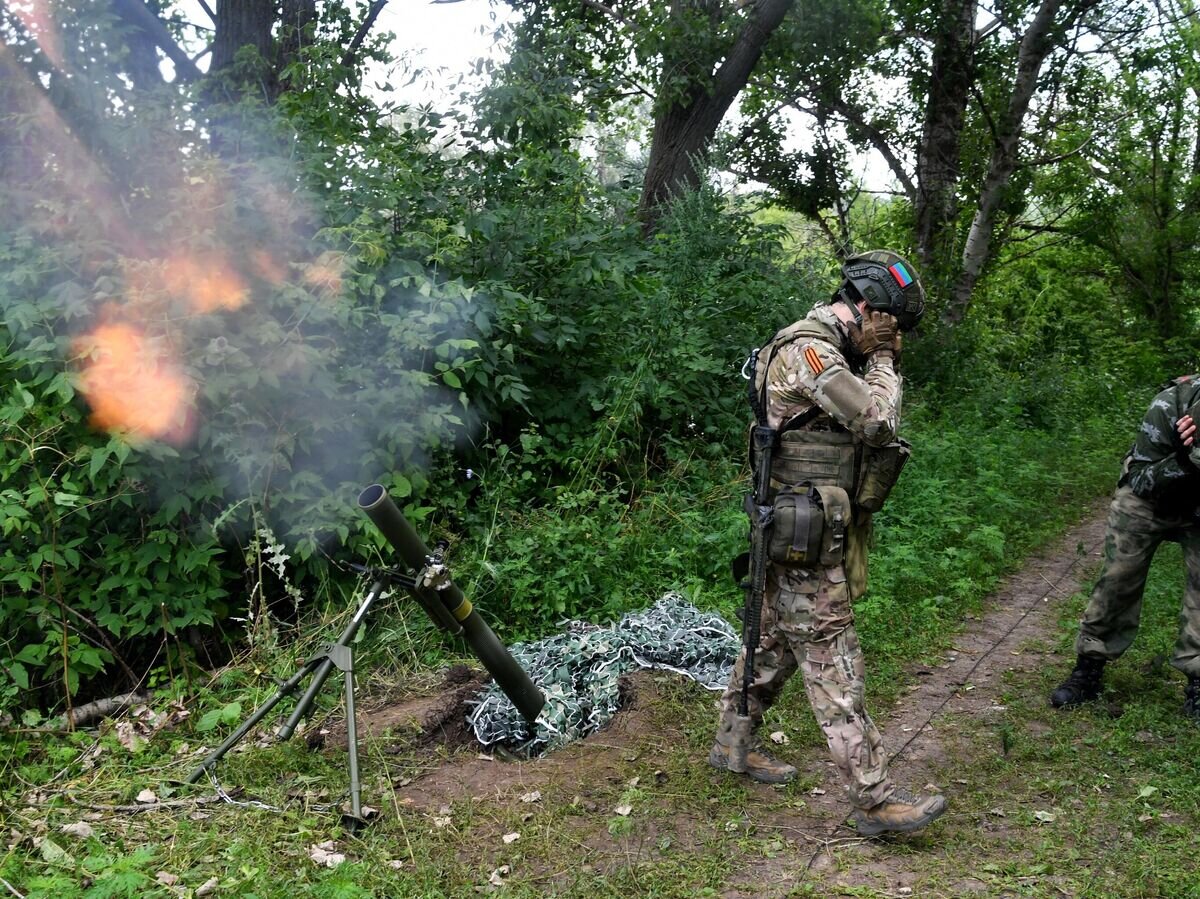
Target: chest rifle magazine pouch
(879,472)
(797,527)
(835,503)
(822,458)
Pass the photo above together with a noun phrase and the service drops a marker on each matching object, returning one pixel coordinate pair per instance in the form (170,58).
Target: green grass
(1117,779)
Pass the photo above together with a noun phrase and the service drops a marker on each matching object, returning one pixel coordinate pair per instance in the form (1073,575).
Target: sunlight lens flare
(132,387)
(38,19)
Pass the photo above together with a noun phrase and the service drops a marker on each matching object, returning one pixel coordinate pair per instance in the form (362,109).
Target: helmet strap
(844,295)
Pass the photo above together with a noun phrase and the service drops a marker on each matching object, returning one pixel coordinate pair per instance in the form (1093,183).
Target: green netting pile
(579,671)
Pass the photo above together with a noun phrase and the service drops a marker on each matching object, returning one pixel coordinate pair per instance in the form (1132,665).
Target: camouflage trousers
(807,622)
(1110,621)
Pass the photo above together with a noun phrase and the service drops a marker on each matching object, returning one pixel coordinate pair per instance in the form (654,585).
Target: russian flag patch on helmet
(900,273)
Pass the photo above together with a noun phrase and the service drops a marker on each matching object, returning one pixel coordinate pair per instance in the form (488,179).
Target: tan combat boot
(736,750)
(899,813)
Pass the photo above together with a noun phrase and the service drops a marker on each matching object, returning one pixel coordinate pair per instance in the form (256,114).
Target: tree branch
(987,115)
(1063,237)
(878,140)
(364,29)
(1035,229)
(136,13)
(743,55)
(852,114)
(835,243)
(1051,160)
(987,31)
(607,10)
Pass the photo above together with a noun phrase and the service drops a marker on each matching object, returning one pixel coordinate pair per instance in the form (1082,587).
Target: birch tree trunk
(1036,45)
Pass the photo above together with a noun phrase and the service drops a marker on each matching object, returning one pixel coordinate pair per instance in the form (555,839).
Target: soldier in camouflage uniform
(1157,499)
(829,382)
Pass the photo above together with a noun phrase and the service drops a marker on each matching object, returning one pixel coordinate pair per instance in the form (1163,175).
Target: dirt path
(1011,636)
(651,752)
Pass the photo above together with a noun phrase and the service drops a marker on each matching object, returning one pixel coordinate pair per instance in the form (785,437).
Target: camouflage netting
(579,671)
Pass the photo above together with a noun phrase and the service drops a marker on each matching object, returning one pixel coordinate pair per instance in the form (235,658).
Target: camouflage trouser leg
(1110,621)
(1186,656)
(807,617)
(774,662)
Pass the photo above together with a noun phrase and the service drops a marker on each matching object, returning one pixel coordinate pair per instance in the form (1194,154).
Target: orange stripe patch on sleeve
(813,360)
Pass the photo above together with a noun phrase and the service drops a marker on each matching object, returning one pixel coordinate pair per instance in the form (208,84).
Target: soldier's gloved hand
(879,331)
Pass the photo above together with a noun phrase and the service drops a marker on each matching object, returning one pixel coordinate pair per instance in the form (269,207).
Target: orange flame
(132,387)
(207,283)
(325,273)
(268,267)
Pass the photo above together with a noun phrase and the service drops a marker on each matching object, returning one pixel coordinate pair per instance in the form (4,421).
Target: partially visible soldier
(1157,499)
(828,384)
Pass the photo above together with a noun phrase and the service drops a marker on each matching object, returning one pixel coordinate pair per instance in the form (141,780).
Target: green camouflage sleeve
(1156,464)
(805,372)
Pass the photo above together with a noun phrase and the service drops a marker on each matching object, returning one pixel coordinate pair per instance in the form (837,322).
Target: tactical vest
(826,458)
(829,457)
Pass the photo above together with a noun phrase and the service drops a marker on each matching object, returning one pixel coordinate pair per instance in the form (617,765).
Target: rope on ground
(579,671)
(991,648)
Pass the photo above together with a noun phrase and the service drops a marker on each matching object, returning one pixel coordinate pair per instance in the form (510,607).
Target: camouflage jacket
(1159,468)
(814,369)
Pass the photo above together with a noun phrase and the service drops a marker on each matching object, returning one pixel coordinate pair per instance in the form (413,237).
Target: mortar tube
(511,677)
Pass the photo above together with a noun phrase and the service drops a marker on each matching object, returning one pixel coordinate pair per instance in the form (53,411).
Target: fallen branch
(148,806)
(90,711)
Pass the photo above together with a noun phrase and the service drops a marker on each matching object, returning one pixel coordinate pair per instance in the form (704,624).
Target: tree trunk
(298,16)
(683,129)
(1036,45)
(950,78)
(242,23)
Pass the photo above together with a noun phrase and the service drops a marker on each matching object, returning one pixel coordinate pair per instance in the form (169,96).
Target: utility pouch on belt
(835,502)
(797,527)
(879,472)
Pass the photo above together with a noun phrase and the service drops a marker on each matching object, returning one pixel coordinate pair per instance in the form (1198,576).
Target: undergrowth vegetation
(1096,802)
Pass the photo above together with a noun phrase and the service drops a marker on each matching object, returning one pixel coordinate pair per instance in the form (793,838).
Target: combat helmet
(888,282)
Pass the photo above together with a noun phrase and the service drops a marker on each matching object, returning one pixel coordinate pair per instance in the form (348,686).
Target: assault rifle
(758,507)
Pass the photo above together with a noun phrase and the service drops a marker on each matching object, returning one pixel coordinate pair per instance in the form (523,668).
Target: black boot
(1191,698)
(1081,685)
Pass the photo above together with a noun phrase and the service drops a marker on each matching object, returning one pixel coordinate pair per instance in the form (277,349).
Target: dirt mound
(438,719)
(495,773)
